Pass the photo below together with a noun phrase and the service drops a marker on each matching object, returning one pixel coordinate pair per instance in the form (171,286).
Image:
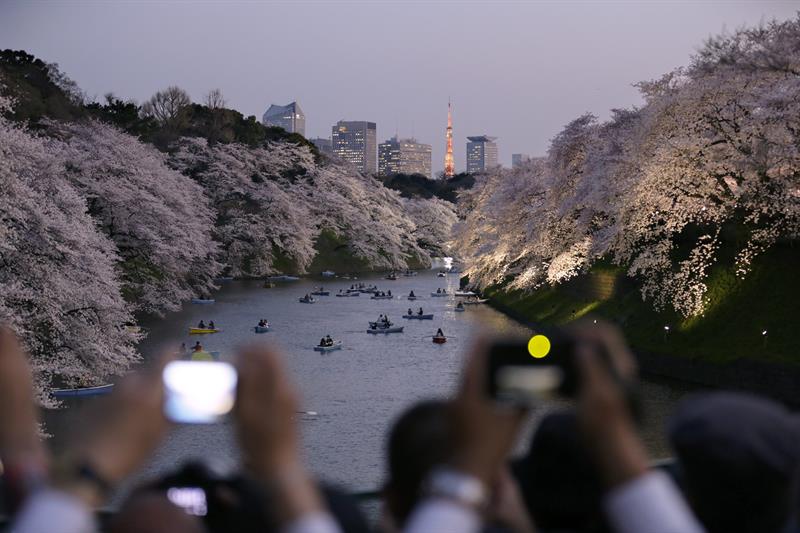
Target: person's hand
(483,431)
(603,412)
(22,452)
(123,432)
(266,406)
(19,441)
(507,506)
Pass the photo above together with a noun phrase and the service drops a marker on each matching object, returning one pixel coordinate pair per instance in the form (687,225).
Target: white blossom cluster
(715,147)
(275,200)
(96,226)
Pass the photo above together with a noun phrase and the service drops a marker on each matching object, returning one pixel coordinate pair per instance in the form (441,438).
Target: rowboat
(475,301)
(465,294)
(347,294)
(459,309)
(224,278)
(409,273)
(375,331)
(419,317)
(328,273)
(203,301)
(439,294)
(283,277)
(439,340)
(337,345)
(391,277)
(369,290)
(412,298)
(261,329)
(82,391)
(202,331)
(441,274)
(203,355)
(384,297)
(307,300)
(321,293)
(380,324)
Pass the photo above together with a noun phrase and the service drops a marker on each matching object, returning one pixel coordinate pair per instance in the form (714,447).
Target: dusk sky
(514,69)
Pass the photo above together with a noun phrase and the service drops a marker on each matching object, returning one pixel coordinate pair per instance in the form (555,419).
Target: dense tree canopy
(713,154)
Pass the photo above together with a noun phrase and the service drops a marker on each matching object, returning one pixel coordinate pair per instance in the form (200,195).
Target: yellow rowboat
(201,331)
(204,356)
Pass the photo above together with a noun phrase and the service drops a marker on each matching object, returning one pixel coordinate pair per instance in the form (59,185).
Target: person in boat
(439,333)
(420,313)
(201,325)
(183,347)
(211,325)
(197,347)
(410,312)
(322,341)
(460,305)
(439,290)
(389,293)
(412,295)
(328,341)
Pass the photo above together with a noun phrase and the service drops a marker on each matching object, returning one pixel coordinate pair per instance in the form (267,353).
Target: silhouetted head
(739,455)
(418,441)
(559,483)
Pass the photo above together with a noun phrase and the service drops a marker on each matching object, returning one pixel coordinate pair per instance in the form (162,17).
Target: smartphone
(523,371)
(198,392)
(191,499)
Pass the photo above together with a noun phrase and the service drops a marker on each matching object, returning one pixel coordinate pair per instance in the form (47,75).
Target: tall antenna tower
(449,165)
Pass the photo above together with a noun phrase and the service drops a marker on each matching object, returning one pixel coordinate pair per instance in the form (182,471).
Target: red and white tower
(449,165)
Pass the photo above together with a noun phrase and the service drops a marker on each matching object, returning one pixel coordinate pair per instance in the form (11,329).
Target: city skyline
(545,75)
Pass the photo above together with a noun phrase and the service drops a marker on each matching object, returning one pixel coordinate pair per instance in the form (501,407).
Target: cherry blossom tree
(159,219)
(60,292)
(714,146)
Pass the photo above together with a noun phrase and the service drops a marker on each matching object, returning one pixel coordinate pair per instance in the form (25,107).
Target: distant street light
(666,331)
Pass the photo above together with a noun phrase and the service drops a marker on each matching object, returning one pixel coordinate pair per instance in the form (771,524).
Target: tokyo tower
(449,166)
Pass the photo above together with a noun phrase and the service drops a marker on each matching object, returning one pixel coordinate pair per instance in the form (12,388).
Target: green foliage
(419,186)
(32,85)
(39,91)
(731,328)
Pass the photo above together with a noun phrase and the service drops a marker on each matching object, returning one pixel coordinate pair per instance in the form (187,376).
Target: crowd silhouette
(586,470)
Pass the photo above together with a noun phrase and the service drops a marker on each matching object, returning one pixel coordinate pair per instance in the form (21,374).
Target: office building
(289,117)
(356,142)
(404,156)
(481,153)
(325,146)
(517,160)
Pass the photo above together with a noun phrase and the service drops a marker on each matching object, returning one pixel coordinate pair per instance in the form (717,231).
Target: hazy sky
(518,70)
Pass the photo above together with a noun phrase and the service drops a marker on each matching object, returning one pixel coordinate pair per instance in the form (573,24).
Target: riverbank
(745,341)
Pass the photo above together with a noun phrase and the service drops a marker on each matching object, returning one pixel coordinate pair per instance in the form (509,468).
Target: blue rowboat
(419,317)
(83,391)
(261,329)
(203,301)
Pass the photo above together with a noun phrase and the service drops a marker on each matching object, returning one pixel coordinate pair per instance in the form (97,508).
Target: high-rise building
(289,117)
(356,143)
(449,163)
(517,160)
(325,146)
(404,156)
(481,153)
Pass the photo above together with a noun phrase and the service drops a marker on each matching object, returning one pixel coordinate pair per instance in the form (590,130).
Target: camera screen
(198,392)
(190,499)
